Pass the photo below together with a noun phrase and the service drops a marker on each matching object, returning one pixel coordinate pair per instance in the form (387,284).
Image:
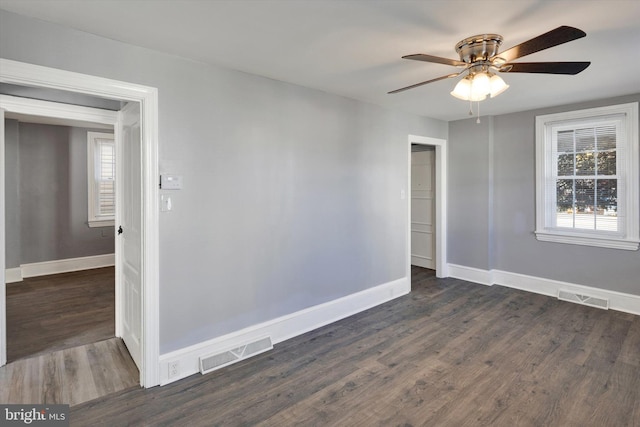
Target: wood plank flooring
(60,340)
(451,353)
(55,312)
(69,376)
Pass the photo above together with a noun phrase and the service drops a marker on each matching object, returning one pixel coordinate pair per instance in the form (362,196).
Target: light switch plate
(165,203)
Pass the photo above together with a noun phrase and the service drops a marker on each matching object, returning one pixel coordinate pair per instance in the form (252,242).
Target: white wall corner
(282,328)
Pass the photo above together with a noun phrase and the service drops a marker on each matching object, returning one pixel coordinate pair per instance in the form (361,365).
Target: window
(587,177)
(101,167)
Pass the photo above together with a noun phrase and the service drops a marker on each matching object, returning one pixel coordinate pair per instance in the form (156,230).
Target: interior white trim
(282,328)
(625,118)
(3,286)
(13,275)
(67,114)
(441,203)
(20,73)
(471,274)
(45,268)
(102,223)
(619,301)
(558,236)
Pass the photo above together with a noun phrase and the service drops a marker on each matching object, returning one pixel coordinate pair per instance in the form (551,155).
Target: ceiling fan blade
(436,59)
(545,67)
(552,38)
(424,83)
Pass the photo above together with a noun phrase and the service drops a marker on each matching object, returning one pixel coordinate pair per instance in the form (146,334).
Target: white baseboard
(64,265)
(471,274)
(12,275)
(618,301)
(282,328)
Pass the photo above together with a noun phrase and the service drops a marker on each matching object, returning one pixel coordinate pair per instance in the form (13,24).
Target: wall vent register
(212,362)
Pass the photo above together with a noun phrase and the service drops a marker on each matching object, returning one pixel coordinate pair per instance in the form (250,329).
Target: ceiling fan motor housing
(479,48)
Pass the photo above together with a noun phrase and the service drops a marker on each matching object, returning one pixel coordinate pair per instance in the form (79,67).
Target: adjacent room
(275,212)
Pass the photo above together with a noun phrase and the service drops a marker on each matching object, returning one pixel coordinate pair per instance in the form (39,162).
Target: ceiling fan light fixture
(480,85)
(497,85)
(463,89)
(475,87)
(477,96)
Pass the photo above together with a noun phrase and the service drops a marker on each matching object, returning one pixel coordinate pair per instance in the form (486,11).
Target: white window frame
(627,146)
(96,219)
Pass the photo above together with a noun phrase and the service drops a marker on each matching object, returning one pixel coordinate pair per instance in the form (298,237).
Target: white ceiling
(353,47)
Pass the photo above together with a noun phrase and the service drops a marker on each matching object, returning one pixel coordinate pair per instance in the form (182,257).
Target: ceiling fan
(480,59)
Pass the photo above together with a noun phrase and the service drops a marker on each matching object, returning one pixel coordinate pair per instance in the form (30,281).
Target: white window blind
(586,180)
(587,177)
(102,179)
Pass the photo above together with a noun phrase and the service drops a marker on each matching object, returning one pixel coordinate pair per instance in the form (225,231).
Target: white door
(423,209)
(129,230)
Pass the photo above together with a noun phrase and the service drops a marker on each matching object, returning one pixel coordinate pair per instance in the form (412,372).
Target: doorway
(61,280)
(439,219)
(145,130)
(423,204)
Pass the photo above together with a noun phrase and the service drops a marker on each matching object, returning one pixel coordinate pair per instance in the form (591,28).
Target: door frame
(442,268)
(24,74)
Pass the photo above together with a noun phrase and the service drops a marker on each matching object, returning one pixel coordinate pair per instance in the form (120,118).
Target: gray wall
(291,196)
(468,201)
(12,194)
(509,147)
(47,195)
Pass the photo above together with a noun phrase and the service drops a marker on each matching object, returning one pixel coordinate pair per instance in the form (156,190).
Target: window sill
(601,242)
(102,223)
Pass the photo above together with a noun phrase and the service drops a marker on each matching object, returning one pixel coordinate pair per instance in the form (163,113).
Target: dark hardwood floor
(451,353)
(50,313)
